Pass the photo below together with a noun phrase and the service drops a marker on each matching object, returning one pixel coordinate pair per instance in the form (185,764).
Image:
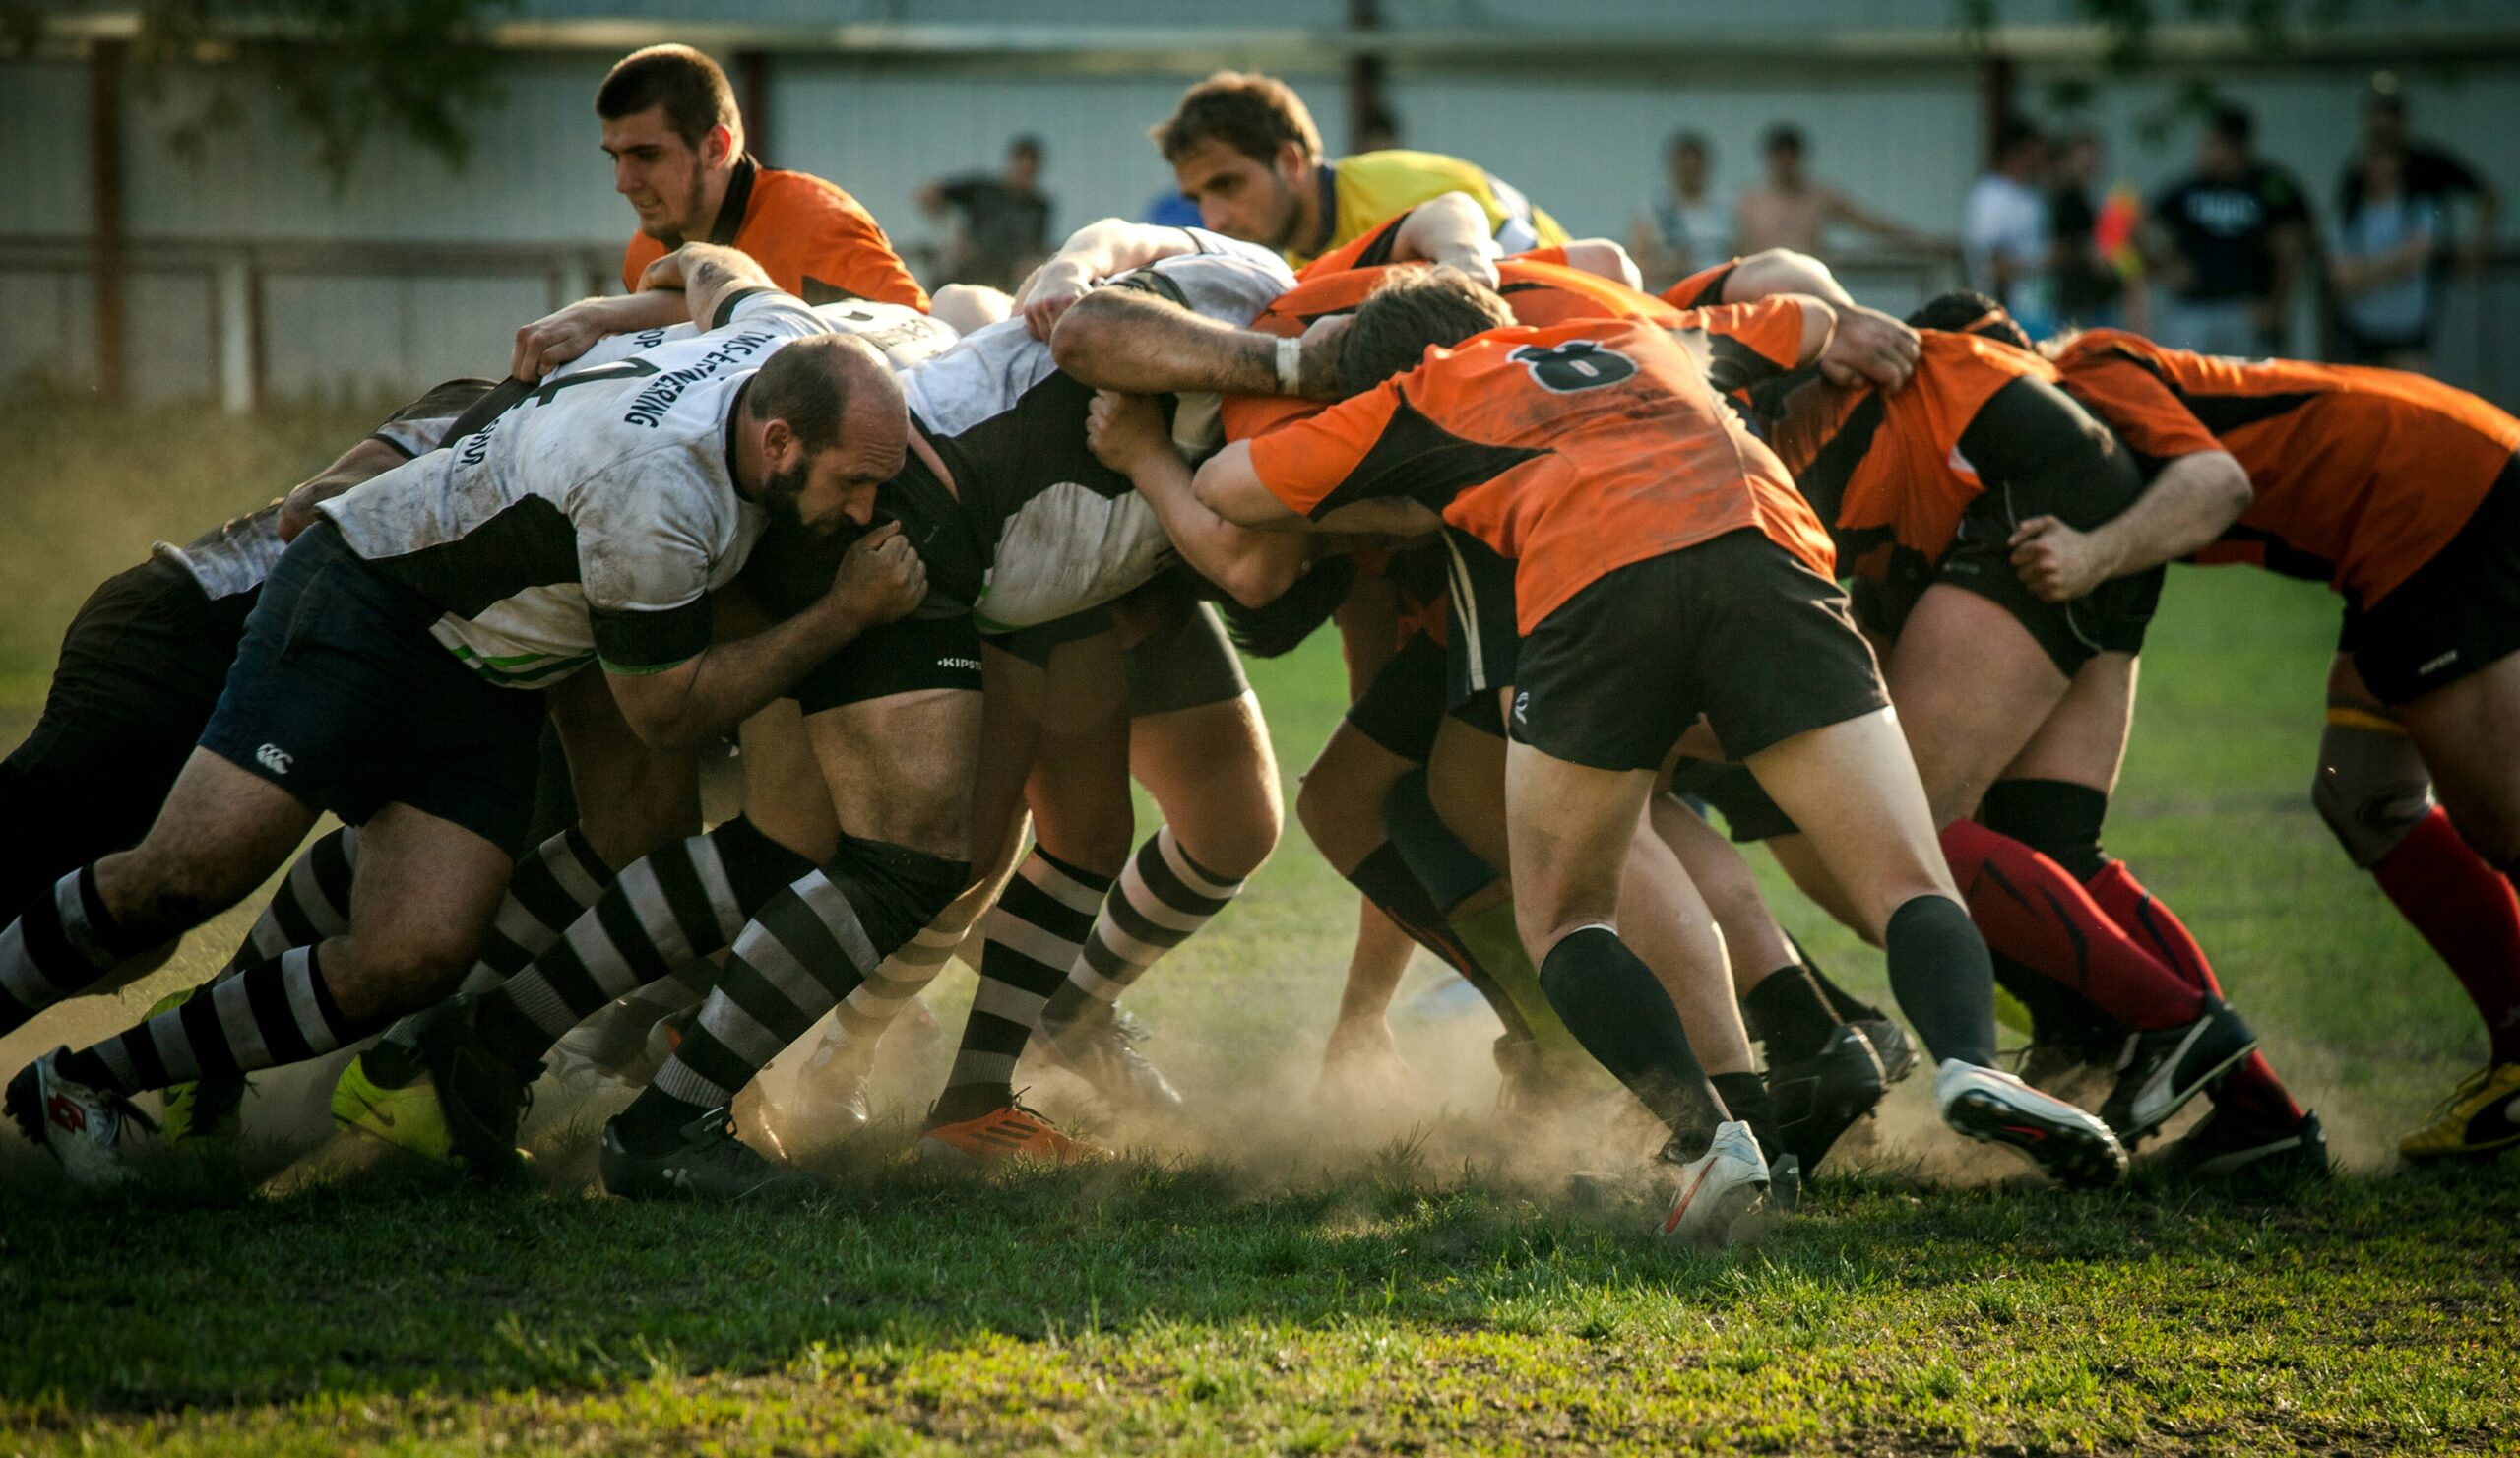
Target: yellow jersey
(1361,193)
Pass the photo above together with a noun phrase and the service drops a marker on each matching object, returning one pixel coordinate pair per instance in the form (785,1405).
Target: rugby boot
(481,1098)
(616,1046)
(2226,1147)
(92,1132)
(1099,1045)
(402,1113)
(1013,1133)
(2478,1120)
(2160,1071)
(828,1101)
(207,1109)
(1993,1107)
(1716,1189)
(707,1163)
(1819,1097)
(1891,1045)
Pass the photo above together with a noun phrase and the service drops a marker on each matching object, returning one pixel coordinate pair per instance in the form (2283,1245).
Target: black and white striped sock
(272,1013)
(551,889)
(808,948)
(1163,898)
(1035,933)
(313,901)
(665,911)
(62,943)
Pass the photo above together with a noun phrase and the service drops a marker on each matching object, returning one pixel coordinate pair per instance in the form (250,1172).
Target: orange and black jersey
(1573,451)
(1745,343)
(813,239)
(2362,474)
(1703,288)
(1887,470)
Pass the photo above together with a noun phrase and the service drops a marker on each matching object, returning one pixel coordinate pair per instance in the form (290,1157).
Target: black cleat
(1891,1045)
(2221,1147)
(481,1097)
(1099,1045)
(709,1164)
(2160,1071)
(1819,1097)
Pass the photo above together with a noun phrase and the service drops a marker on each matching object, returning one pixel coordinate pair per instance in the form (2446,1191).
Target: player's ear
(719,146)
(1292,162)
(778,438)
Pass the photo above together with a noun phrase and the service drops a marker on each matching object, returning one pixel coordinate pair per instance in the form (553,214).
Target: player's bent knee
(2371,790)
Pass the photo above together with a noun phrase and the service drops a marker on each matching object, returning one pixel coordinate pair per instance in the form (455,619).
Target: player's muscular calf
(880,579)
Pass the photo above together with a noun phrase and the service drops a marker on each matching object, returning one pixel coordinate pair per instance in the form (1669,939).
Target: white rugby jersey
(903,336)
(1057,532)
(590,520)
(236,557)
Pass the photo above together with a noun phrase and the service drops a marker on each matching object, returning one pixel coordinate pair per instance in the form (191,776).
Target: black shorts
(2459,612)
(140,671)
(1736,629)
(1033,644)
(906,656)
(1734,792)
(340,697)
(2037,453)
(1481,638)
(1186,664)
(1401,708)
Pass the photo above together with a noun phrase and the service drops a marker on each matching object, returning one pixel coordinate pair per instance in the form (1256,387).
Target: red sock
(2468,911)
(2252,1090)
(2034,912)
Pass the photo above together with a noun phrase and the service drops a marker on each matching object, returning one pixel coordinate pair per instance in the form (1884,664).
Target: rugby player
(1639,511)
(677,147)
(387,674)
(2397,491)
(1245,149)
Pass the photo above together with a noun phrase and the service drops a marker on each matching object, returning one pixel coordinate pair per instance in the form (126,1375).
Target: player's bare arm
(1127,433)
(880,579)
(557,337)
(2189,504)
(706,272)
(1135,343)
(1226,484)
(369,459)
(1450,230)
(1094,252)
(1783,271)
(1606,257)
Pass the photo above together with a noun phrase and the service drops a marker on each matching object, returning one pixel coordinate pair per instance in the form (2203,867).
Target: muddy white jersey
(903,336)
(590,520)
(1057,532)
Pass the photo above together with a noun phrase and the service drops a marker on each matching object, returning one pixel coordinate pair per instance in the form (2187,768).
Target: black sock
(279,1012)
(1450,870)
(2057,818)
(1788,1014)
(1610,999)
(1033,937)
(1943,979)
(1386,880)
(1746,1098)
(65,941)
(1849,1007)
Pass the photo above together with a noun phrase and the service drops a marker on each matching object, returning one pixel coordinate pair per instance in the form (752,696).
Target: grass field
(1286,1275)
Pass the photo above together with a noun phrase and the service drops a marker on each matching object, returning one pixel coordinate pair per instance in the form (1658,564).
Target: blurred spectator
(2003,230)
(1003,222)
(2098,281)
(1379,130)
(2380,262)
(1791,210)
(1170,209)
(2426,173)
(1687,226)
(2227,243)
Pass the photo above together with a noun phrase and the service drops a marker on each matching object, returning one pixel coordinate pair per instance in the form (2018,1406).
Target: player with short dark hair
(677,147)
(1245,149)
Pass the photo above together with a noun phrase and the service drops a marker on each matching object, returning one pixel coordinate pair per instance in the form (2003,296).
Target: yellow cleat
(409,1118)
(2479,1119)
(1014,1132)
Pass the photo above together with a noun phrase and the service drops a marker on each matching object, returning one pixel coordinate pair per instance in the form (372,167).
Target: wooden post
(1365,73)
(752,96)
(104,187)
(1995,82)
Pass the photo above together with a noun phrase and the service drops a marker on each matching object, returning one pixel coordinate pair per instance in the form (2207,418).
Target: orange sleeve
(2132,401)
(1305,462)
(642,251)
(1701,289)
(1368,251)
(1250,416)
(1771,329)
(849,252)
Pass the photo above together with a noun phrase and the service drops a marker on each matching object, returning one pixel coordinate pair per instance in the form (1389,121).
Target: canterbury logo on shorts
(274,758)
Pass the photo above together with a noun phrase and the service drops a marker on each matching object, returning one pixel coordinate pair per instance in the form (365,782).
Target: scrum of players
(953,572)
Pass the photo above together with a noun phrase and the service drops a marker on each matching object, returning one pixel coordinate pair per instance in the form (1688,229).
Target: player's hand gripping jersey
(590,520)
(1573,451)
(2363,475)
